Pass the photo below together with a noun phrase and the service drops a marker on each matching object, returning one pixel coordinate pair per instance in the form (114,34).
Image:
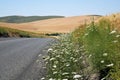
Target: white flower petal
(112,32)
(117,36)
(105,54)
(77,76)
(51,79)
(115,41)
(50,49)
(43,78)
(64,79)
(102,61)
(109,65)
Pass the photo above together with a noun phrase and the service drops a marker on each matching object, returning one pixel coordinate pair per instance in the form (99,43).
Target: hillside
(56,25)
(9,32)
(23,19)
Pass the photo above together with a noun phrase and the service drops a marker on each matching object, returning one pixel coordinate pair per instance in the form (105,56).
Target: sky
(58,7)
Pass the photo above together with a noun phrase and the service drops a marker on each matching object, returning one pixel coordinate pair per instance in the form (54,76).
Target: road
(20,57)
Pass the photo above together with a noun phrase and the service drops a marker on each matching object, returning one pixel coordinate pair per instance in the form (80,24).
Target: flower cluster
(65,60)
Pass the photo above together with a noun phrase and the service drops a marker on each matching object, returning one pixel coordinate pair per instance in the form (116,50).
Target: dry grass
(114,19)
(57,25)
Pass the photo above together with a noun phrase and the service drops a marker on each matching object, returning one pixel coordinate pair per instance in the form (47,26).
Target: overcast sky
(58,7)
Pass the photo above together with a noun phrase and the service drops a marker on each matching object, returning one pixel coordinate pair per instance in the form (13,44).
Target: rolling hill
(56,25)
(23,19)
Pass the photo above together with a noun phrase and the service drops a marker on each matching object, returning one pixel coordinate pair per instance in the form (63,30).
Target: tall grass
(90,49)
(102,42)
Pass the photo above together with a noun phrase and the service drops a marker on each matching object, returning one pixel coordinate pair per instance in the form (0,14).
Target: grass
(8,32)
(90,49)
(102,42)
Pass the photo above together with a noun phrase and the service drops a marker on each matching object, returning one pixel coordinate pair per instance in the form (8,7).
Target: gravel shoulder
(4,39)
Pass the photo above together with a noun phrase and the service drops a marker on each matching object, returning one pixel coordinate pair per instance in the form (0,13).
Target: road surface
(21,59)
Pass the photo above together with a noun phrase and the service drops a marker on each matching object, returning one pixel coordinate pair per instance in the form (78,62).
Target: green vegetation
(8,32)
(53,34)
(23,19)
(90,51)
(64,60)
(102,42)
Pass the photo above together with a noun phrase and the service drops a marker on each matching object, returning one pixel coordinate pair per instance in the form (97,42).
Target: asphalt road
(21,59)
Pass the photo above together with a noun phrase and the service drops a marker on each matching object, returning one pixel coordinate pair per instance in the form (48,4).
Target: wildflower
(81,57)
(117,36)
(102,61)
(75,60)
(109,65)
(43,78)
(64,79)
(52,59)
(77,76)
(76,51)
(58,56)
(50,49)
(71,58)
(115,41)
(105,54)
(55,72)
(54,66)
(112,32)
(73,72)
(46,58)
(90,55)
(86,34)
(67,64)
(65,73)
(51,79)
(55,51)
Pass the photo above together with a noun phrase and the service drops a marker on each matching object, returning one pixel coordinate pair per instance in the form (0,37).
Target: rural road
(21,59)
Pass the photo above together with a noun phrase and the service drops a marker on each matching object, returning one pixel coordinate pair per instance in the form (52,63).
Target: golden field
(56,25)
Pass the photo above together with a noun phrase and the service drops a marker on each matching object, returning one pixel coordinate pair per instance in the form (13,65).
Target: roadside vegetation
(8,32)
(91,52)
